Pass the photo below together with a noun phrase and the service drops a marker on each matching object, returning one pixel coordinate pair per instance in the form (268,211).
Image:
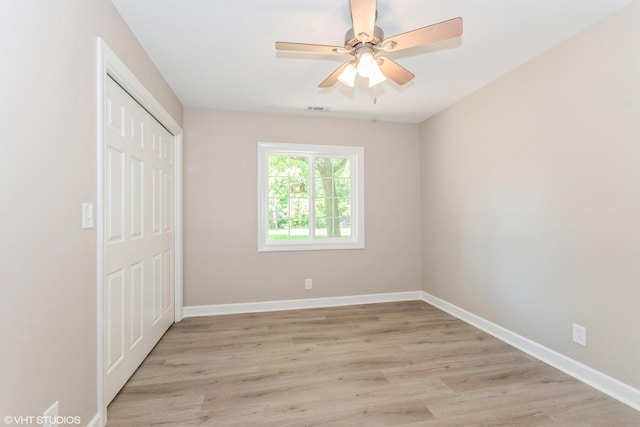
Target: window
(310,197)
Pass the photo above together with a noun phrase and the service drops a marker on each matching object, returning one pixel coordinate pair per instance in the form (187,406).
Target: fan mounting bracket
(351,40)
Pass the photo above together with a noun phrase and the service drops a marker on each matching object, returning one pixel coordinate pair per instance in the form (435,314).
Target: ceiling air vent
(317,109)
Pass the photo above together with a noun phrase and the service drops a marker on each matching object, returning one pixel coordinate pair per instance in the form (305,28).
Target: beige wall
(222,264)
(47,169)
(531,198)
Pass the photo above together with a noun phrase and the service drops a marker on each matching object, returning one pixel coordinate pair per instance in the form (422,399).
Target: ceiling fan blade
(305,47)
(363,15)
(333,77)
(394,71)
(433,33)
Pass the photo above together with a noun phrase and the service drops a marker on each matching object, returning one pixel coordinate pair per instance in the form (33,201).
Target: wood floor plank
(404,364)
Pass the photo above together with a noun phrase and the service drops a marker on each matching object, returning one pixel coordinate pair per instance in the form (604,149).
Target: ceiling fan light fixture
(348,75)
(366,64)
(364,41)
(376,76)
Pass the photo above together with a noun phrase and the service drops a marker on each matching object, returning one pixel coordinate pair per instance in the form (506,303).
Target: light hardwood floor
(386,364)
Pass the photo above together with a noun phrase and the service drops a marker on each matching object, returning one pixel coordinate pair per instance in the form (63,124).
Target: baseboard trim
(618,390)
(299,304)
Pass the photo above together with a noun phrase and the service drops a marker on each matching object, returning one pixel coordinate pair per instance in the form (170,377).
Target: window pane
(288,203)
(299,219)
(298,166)
(321,227)
(299,212)
(278,211)
(279,234)
(342,168)
(332,206)
(319,190)
(345,226)
(278,165)
(344,207)
(282,166)
(327,227)
(278,187)
(345,222)
(321,208)
(288,210)
(332,197)
(343,187)
(328,186)
(324,167)
(298,188)
(278,218)
(333,227)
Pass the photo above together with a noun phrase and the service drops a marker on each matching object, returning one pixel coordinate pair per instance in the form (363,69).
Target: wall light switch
(87,215)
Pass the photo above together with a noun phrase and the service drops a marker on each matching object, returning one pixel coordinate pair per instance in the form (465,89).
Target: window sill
(324,246)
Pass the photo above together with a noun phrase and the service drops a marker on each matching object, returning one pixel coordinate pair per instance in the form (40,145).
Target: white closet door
(139,235)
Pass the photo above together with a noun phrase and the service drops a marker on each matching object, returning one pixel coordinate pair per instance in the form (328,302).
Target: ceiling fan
(365,41)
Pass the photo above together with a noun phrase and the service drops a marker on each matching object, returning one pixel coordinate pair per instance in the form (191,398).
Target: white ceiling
(220,53)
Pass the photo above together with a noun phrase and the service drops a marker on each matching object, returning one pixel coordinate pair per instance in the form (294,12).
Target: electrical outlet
(50,416)
(308,284)
(579,335)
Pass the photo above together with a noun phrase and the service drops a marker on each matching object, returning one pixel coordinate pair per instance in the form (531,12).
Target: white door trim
(108,63)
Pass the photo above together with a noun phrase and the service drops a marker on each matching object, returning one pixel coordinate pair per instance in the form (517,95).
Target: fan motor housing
(350,40)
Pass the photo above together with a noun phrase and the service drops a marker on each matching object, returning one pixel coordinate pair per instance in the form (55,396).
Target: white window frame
(356,156)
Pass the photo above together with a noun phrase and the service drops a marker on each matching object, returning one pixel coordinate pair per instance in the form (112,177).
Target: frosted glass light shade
(376,76)
(348,75)
(366,64)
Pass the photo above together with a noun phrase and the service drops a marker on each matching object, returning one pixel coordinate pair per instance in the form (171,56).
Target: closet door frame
(109,65)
